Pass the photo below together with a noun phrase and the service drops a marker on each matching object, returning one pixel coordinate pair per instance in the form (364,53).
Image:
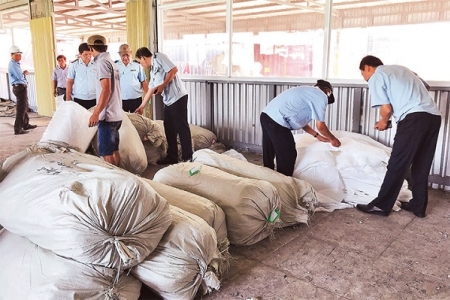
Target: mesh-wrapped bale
(152,137)
(69,126)
(81,207)
(298,197)
(31,272)
(251,206)
(186,260)
(197,205)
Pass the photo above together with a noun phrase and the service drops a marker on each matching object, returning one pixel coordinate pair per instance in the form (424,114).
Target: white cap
(14,49)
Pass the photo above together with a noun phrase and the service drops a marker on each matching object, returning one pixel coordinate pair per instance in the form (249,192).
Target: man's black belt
(19,84)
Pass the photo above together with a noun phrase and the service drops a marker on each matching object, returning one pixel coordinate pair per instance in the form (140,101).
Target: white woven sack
(197,205)
(186,259)
(298,197)
(152,137)
(251,206)
(31,272)
(81,207)
(132,152)
(70,126)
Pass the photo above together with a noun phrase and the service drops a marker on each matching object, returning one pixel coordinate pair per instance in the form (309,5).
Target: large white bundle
(185,260)
(152,137)
(31,272)
(70,126)
(297,196)
(80,207)
(251,206)
(131,150)
(352,173)
(197,205)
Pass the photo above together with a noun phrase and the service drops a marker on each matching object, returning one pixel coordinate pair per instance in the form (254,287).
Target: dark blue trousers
(175,123)
(278,142)
(414,147)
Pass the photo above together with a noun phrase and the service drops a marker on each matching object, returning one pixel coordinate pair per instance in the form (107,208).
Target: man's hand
(381,125)
(93,120)
(139,110)
(158,90)
(55,93)
(335,142)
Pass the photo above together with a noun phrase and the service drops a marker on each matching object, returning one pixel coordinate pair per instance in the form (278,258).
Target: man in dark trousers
(400,93)
(164,80)
(18,80)
(291,110)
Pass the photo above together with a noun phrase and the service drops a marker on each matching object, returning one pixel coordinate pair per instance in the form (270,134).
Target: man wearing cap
(18,80)
(108,112)
(60,77)
(82,78)
(132,80)
(399,92)
(164,80)
(293,109)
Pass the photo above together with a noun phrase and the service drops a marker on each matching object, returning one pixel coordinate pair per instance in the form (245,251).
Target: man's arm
(55,85)
(385,114)
(144,85)
(147,97)
(103,100)
(168,79)
(69,85)
(323,130)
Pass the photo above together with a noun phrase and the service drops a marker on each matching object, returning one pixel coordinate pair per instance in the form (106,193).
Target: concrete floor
(341,255)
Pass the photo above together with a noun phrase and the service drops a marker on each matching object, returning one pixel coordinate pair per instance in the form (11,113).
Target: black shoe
(167,161)
(371,209)
(188,160)
(407,206)
(30,127)
(21,131)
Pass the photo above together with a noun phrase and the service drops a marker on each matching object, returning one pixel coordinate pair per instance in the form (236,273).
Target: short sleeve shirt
(15,73)
(162,65)
(60,76)
(106,68)
(401,88)
(296,107)
(131,78)
(84,78)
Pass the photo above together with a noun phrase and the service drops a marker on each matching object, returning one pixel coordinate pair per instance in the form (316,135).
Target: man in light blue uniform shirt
(18,80)
(59,77)
(164,80)
(81,79)
(293,109)
(132,80)
(400,93)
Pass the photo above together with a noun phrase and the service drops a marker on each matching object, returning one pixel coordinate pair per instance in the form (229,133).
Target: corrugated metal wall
(231,110)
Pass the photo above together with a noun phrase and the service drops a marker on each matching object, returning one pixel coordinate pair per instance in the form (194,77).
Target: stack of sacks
(251,206)
(197,205)
(69,126)
(80,207)
(344,176)
(152,137)
(298,197)
(32,272)
(186,260)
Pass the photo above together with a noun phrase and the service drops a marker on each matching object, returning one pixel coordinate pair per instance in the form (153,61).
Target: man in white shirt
(60,77)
